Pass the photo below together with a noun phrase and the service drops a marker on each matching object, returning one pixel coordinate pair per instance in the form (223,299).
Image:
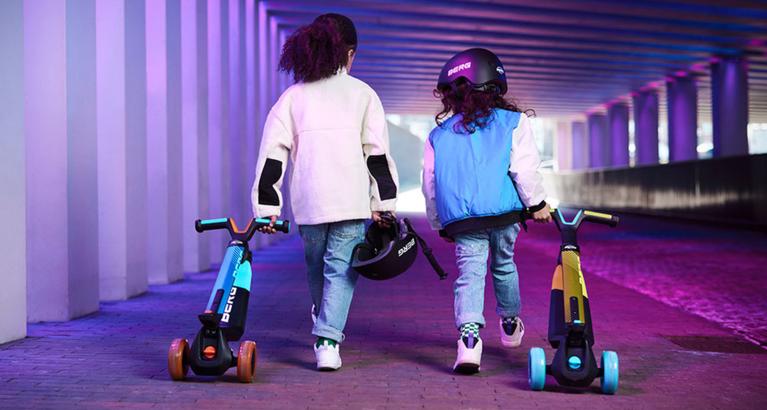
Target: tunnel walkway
(675,301)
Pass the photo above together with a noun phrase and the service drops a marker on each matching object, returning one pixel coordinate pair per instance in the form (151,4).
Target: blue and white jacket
(480,177)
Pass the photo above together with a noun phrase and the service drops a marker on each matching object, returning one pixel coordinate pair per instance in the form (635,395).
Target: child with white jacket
(332,128)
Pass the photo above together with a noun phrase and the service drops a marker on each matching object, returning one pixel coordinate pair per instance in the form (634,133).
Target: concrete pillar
(243,171)
(564,146)
(175,182)
(580,145)
(215,151)
(225,137)
(163,137)
(729,106)
(60,95)
(682,94)
(262,96)
(252,117)
(599,141)
(275,48)
(120,92)
(618,118)
(195,250)
(646,127)
(236,151)
(82,156)
(13,264)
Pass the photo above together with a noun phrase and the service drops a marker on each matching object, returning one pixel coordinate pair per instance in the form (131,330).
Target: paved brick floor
(669,298)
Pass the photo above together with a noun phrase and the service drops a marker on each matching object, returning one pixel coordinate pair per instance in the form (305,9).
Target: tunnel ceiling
(562,57)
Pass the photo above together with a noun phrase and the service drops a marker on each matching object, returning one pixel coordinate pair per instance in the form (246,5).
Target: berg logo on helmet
(459,67)
(406,247)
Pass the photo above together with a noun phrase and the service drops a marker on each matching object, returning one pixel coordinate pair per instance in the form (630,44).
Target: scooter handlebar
(202,225)
(281,226)
(601,218)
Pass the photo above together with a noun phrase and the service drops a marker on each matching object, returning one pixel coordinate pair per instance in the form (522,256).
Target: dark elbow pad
(379,168)
(272,172)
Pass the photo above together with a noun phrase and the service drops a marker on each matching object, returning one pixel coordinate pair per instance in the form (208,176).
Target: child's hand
(269,229)
(543,216)
(380,220)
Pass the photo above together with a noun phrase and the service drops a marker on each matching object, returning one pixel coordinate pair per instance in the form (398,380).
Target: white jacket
(335,134)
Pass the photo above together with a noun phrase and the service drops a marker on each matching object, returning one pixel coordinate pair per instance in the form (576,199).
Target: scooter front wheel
(178,359)
(609,381)
(536,368)
(246,361)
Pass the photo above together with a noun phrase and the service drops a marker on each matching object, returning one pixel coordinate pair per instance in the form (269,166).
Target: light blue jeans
(471,253)
(328,251)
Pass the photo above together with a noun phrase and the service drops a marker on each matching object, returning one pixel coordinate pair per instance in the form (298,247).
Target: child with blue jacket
(480,173)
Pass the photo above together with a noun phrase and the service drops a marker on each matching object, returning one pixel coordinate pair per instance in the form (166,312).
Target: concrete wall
(730,190)
(13,295)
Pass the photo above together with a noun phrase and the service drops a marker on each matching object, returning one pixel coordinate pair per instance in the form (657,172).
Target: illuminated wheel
(609,379)
(246,361)
(178,359)
(536,368)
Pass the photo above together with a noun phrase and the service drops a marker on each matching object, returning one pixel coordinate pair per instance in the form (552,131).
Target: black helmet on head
(478,66)
(389,251)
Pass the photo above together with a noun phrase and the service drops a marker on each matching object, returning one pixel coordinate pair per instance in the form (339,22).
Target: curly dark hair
(475,105)
(320,49)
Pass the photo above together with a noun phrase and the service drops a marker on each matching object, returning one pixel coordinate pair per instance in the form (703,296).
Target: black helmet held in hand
(386,252)
(478,66)
(391,250)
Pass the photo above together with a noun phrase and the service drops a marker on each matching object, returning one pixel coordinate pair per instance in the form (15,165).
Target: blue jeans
(471,253)
(328,251)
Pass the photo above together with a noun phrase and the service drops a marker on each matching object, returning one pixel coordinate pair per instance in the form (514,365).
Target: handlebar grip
(604,219)
(281,226)
(202,225)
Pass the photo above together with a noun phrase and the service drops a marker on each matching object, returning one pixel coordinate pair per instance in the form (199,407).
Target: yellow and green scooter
(570,330)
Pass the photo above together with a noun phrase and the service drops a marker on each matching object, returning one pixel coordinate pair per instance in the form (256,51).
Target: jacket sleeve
(524,164)
(276,143)
(384,182)
(427,186)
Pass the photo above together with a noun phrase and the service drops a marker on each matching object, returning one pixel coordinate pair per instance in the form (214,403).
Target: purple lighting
(599,141)
(682,96)
(123,121)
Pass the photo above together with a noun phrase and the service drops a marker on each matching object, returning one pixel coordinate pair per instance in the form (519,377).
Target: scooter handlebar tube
(601,218)
(582,215)
(281,226)
(202,225)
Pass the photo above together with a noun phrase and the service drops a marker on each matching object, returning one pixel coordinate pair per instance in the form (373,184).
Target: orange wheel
(178,359)
(246,361)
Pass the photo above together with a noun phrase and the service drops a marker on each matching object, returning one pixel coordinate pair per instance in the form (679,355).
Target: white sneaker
(314,315)
(512,330)
(328,356)
(468,359)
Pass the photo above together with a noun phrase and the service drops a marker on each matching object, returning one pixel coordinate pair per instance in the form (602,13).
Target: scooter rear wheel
(609,381)
(536,368)
(178,359)
(246,361)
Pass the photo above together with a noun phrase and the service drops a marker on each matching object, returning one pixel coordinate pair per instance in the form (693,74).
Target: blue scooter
(223,320)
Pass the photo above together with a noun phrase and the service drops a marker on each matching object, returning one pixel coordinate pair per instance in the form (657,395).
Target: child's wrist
(536,208)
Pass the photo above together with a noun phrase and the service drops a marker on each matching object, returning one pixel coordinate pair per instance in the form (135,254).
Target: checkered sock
(470,334)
